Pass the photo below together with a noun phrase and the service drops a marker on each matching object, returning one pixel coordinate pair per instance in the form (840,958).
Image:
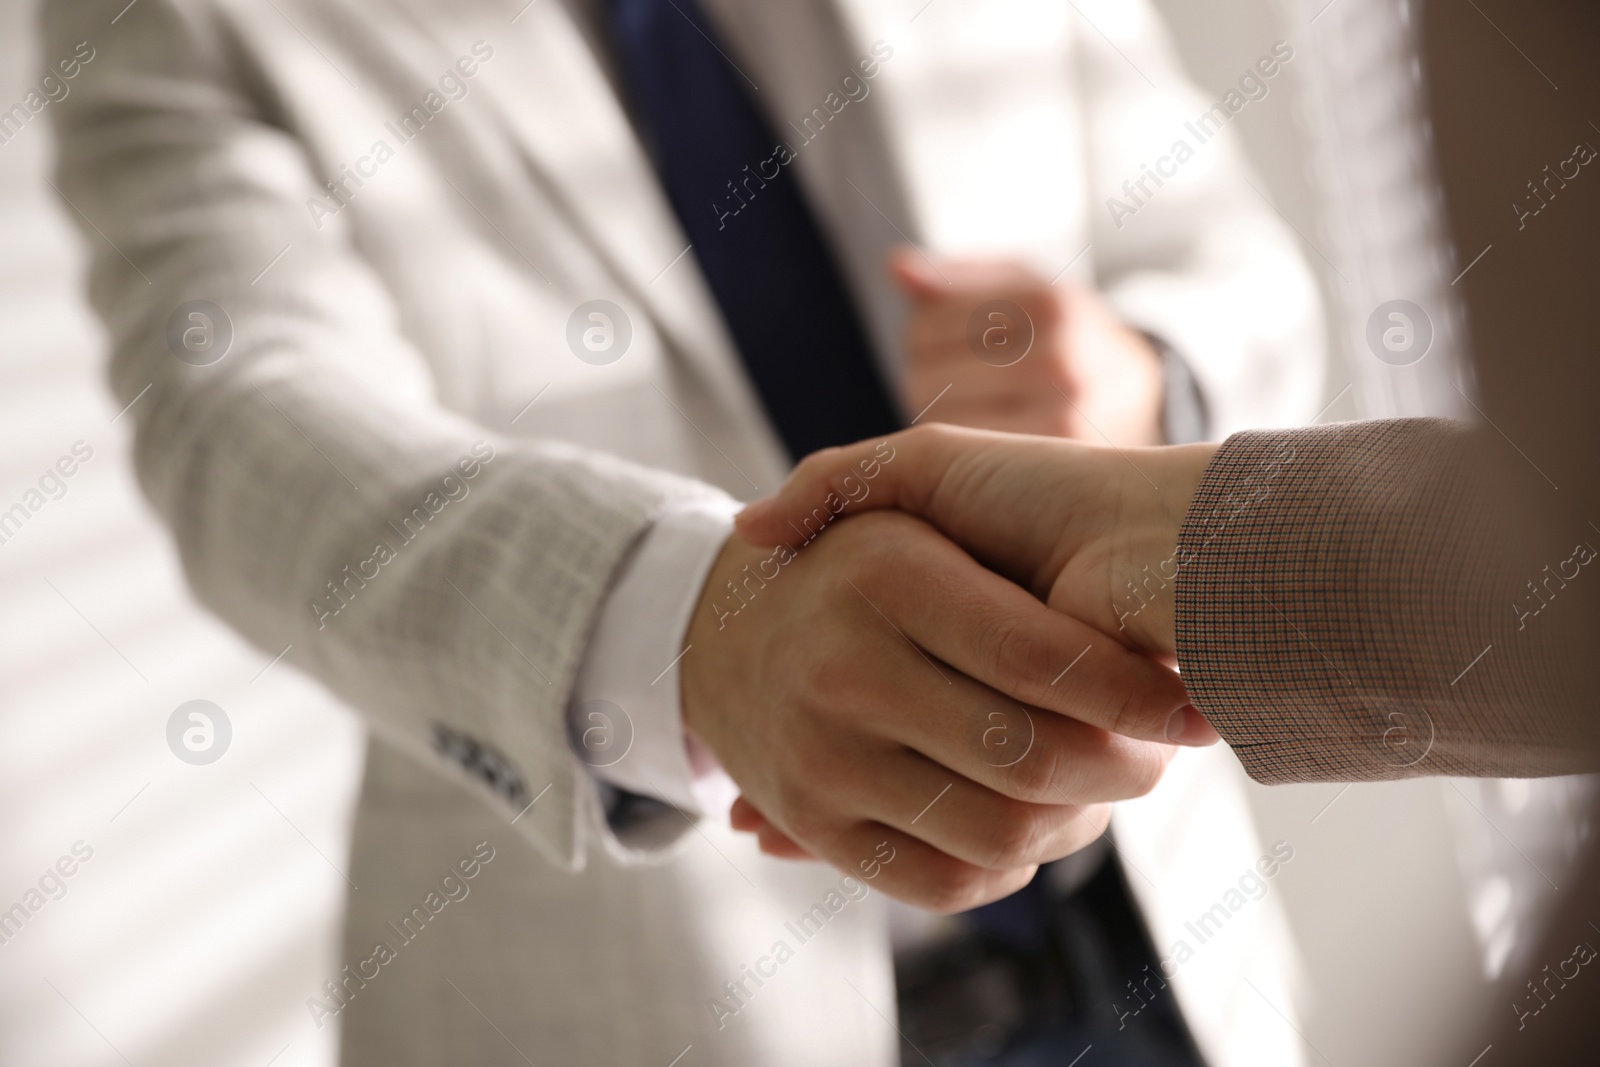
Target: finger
(997,633)
(915,276)
(928,276)
(910,870)
(744,817)
(948,318)
(999,496)
(1028,754)
(913,701)
(901,471)
(967,821)
(773,842)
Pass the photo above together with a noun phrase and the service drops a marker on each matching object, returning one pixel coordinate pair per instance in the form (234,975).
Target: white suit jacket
(368,346)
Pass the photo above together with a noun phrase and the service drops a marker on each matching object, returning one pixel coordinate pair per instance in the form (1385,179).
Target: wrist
(1146,562)
(713,631)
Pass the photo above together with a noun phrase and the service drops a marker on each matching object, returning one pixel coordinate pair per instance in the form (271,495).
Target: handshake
(962,644)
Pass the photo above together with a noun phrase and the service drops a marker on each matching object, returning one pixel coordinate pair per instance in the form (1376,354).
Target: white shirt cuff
(626,719)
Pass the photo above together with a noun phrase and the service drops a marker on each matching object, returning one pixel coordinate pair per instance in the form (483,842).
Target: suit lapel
(558,106)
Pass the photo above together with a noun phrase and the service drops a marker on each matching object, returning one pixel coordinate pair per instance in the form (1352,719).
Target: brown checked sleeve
(1364,601)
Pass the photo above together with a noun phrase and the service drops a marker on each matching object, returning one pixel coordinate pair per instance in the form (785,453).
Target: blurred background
(209,906)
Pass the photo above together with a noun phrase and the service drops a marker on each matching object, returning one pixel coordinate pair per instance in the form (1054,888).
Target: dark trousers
(1044,979)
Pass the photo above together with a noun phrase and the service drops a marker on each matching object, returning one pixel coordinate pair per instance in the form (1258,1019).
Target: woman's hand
(1093,531)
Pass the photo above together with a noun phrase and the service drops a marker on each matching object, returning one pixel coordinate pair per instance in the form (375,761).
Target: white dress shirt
(634,657)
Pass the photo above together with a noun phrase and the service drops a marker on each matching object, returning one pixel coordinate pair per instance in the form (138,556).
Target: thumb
(899,471)
(915,276)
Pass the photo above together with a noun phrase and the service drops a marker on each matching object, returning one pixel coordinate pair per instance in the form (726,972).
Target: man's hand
(845,685)
(1085,374)
(1093,531)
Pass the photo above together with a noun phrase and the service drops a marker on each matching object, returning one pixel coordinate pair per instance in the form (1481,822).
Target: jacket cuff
(1274,614)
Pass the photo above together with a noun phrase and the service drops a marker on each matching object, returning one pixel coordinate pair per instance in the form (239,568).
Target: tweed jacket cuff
(1345,608)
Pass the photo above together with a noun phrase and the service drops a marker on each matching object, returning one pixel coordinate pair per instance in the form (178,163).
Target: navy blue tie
(773,276)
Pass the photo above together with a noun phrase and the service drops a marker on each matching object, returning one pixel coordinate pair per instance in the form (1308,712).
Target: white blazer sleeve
(1201,259)
(443,581)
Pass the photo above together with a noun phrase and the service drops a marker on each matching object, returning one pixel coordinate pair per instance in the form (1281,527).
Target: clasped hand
(944,667)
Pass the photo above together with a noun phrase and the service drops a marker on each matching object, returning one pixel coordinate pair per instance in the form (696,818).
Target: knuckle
(953,890)
(786,802)
(795,793)
(863,551)
(809,468)
(818,674)
(1087,825)
(1037,776)
(818,469)
(1097,820)
(1149,767)
(1071,783)
(801,823)
(1020,836)
(924,435)
(876,532)
(1014,651)
(1042,305)
(1128,704)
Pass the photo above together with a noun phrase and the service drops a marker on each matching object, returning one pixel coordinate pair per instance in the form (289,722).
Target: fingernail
(1188,727)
